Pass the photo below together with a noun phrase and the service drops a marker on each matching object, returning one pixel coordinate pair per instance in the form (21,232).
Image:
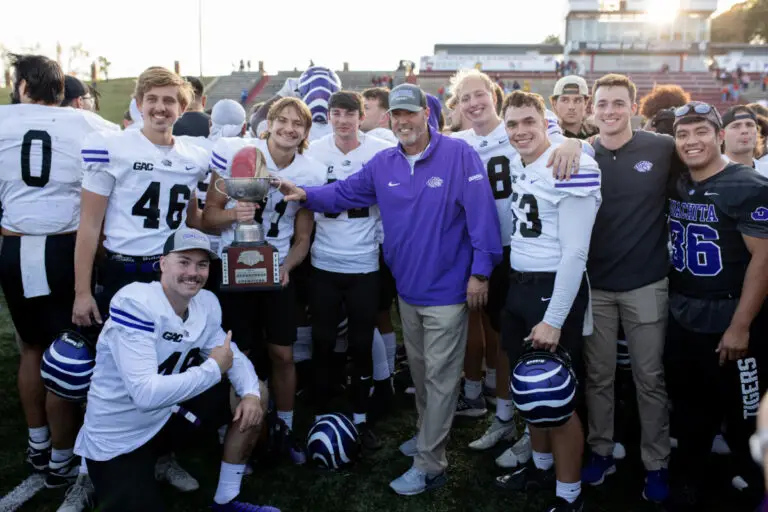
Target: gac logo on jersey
(346,163)
(142,166)
(484,143)
(475,177)
(434,182)
(644,166)
(173,336)
(760,214)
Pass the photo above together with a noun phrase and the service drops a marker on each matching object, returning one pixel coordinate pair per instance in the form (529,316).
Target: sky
(136,34)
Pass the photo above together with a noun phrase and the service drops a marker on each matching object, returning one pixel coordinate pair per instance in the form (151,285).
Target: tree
(757,21)
(77,59)
(746,22)
(104,64)
(552,39)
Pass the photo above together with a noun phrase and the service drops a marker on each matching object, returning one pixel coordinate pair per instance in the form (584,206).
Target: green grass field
(115,97)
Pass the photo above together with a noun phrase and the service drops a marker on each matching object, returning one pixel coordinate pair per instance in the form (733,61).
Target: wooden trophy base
(249,267)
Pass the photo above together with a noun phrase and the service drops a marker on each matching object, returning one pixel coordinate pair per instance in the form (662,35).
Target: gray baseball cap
(187,239)
(407,97)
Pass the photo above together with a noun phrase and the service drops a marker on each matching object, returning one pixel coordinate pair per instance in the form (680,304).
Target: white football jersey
(761,166)
(535,240)
(346,242)
(276,215)
(383,134)
(319,130)
(148,360)
(40,166)
(151,188)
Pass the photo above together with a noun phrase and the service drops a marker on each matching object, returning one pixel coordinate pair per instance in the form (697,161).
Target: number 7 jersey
(151,188)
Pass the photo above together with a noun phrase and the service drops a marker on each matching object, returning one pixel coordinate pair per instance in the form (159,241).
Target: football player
(269,318)
(345,263)
(40,176)
(718,225)
(476,102)
(549,294)
(741,137)
(163,351)
(376,110)
(141,183)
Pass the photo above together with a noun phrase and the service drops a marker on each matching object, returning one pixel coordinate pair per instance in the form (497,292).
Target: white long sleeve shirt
(147,361)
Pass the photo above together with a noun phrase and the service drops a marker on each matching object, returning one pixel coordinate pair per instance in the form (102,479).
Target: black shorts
(119,270)
(387,288)
(525,308)
(127,482)
(39,320)
(498,287)
(300,277)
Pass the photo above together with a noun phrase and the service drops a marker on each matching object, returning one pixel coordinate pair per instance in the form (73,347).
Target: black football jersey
(706,222)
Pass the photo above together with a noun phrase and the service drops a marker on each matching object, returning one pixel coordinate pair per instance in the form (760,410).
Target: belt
(135,264)
(526,277)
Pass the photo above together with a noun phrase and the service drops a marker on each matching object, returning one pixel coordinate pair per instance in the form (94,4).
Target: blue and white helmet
(316,85)
(67,366)
(543,387)
(333,442)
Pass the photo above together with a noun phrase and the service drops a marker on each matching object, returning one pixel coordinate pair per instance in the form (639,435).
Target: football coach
(441,241)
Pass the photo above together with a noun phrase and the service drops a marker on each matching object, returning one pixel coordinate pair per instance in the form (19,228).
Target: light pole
(200,34)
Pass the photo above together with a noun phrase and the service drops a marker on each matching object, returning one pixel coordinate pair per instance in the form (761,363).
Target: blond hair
(157,76)
(462,75)
(301,109)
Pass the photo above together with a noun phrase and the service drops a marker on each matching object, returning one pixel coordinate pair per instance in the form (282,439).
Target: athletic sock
(230,478)
(40,435)
(390,343)
(359,418)
(490,378)
(83,466)
(543,461)
(61,455)
(287,417)
(472,388)
(380,365)
(505,409)
(569,492)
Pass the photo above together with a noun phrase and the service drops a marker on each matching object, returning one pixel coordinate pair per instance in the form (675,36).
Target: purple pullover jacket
(440,222)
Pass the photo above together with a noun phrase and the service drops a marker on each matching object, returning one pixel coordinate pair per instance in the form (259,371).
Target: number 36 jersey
(148,187)
(706,223)
(277,216)
(40,169)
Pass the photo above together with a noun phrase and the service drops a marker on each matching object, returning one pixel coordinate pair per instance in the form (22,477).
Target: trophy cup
(250,263)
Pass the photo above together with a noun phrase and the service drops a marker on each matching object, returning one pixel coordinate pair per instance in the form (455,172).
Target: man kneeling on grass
(161,352)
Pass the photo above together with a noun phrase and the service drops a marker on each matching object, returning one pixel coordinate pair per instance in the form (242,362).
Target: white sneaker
(409,448)
(168,469)
(518,454)
(79,496)
(497,431)
(619,452)
(415,481)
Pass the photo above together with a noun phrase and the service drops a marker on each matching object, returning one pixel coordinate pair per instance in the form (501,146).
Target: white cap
(227,119)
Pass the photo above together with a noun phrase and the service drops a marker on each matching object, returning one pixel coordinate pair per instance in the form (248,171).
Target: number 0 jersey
(147,361)
(148,188)
(706,223)
(535,240)
(277,216)
(346,242)
(40,169)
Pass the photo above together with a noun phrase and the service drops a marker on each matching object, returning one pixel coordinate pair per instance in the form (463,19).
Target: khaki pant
(435,340)
(643,313)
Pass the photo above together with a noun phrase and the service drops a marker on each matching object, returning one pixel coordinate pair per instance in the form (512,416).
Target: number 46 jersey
(40,169)
(148,187)
(706,223)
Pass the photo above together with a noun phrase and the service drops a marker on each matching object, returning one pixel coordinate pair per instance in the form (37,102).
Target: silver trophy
(252,190)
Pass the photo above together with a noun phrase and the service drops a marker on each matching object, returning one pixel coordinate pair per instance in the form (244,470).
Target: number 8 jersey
(148,187)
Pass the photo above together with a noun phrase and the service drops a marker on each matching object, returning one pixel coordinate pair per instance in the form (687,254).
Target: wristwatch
(480,277)
(758,444)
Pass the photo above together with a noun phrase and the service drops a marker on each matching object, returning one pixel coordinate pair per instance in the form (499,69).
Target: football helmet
(543,386)
(333,442)
(68,364)
(316,85)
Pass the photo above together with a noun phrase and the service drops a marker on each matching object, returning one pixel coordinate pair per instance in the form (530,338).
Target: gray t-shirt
(629,239)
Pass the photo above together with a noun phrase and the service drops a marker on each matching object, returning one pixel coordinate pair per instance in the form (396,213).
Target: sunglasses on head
(698,108)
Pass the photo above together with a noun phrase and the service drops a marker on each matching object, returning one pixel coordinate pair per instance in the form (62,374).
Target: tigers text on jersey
(346,242)
(535,241)
(706,223)
(277,216)
(147,361)
(40,166)
(151,188)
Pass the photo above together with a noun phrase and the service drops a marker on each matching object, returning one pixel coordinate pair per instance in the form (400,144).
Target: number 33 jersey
(535,240)
(148,187)
(40,169)
(706,222)
(277,216)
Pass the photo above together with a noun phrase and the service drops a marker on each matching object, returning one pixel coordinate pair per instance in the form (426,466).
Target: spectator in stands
(515,85)
(194,122)
(628,265)
(569,101)
(127,121)
(662,97)
(252,124)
